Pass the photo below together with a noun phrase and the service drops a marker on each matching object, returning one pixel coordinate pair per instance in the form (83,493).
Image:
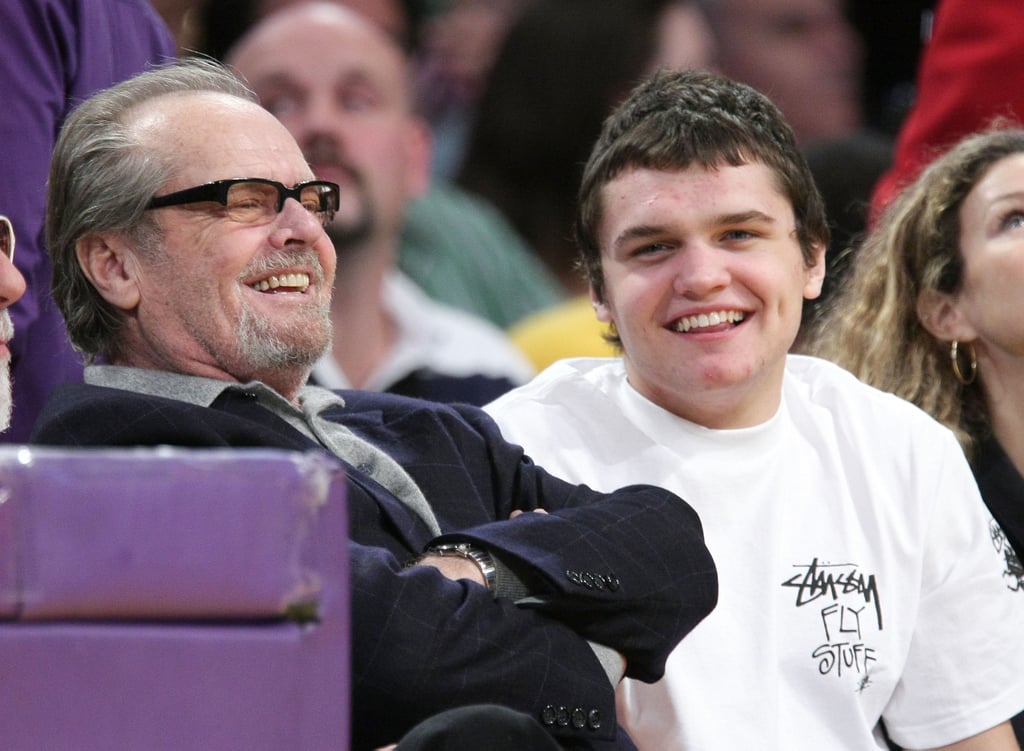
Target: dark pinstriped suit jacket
(628,570)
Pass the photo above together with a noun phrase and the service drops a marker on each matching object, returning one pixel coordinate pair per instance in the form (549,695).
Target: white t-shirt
(857,575)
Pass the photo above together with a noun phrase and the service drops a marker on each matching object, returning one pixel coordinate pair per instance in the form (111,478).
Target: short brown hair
(680,118)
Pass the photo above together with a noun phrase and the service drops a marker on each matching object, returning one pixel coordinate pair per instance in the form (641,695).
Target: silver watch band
(464,550)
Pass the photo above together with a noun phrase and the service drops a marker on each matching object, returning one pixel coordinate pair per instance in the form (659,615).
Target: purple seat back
(173,599)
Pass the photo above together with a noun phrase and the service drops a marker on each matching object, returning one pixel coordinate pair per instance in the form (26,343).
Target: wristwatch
(464,550)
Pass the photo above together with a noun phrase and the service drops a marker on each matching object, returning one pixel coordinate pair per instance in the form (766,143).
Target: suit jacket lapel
(277,432)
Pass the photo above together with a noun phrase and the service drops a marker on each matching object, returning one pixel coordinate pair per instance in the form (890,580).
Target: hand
(454,567)
(517,512)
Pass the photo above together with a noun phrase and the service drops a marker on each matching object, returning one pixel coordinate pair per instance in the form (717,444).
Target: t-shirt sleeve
(963,672)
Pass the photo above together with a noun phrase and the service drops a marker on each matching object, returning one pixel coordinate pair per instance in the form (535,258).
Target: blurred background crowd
(514,92)
(511,95)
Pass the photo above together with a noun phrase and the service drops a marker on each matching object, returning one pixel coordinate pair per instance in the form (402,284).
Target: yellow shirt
(569,329)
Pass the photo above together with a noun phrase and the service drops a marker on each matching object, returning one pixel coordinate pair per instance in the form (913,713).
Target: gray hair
(102,178)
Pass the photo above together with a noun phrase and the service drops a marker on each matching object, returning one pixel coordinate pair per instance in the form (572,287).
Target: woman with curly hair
(932,311)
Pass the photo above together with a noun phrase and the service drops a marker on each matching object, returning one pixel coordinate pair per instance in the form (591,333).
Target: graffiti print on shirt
(1013,571)
(846,601)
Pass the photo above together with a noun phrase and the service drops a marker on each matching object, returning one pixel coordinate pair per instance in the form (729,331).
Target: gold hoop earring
(954,357)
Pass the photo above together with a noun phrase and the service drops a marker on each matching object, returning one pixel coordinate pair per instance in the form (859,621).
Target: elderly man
(188,237)
(12,287)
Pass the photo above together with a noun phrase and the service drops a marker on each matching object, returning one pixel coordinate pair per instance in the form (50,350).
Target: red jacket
(971,71)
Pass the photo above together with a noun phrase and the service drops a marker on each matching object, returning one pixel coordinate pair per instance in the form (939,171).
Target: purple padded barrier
(143,599)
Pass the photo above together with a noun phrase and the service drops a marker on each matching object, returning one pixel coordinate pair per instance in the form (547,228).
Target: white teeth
(295,281)
(688,323)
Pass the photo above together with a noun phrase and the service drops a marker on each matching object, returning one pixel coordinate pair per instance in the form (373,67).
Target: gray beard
(263,349)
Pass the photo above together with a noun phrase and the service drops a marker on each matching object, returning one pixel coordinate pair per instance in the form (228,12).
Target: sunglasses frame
(217,192)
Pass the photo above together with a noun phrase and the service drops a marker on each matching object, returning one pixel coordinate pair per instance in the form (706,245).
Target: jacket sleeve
(628,569)
(422,643)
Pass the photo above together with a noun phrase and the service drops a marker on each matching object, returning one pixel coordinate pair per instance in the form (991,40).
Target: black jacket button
(579,718)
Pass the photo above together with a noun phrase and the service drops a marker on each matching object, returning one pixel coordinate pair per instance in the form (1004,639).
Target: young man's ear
(815,273)
(940,316)
(601,310)
(109,263)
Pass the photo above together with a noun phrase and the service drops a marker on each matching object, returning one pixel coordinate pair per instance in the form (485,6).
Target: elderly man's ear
(109,262)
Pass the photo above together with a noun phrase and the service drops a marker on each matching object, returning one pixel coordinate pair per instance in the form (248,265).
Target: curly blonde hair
(872,327)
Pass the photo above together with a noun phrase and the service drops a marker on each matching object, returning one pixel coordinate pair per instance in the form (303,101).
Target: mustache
(324,151)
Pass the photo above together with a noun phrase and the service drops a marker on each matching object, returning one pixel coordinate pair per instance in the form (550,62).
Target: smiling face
(221,298)
(341,87)
(704,281)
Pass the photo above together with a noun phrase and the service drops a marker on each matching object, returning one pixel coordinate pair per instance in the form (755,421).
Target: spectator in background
(803,54)
(456,53)
(341,87)
(967,76)
(456,247)
(220,23)
(56,53)
(12,287)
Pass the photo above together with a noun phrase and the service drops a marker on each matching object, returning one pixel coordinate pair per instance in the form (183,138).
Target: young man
(860,592)
(187,233)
